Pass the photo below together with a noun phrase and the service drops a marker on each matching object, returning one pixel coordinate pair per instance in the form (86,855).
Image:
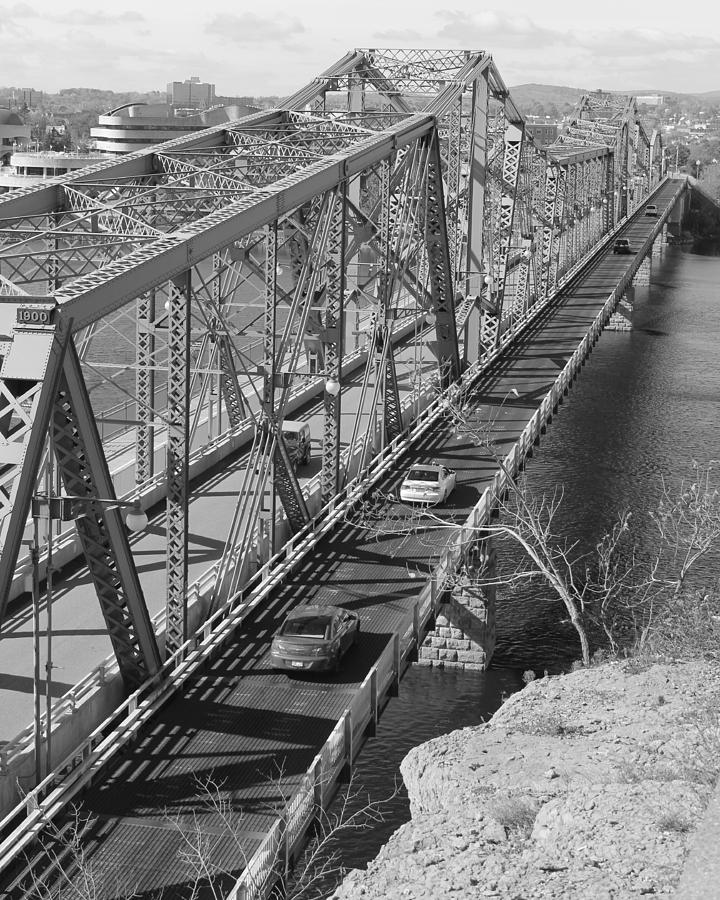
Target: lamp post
(62,509)
(698,163)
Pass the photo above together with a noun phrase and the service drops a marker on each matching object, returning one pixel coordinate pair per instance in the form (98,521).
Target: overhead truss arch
(208,277)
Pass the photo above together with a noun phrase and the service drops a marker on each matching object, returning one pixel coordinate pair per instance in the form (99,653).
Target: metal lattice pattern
(417,196)
(179,298)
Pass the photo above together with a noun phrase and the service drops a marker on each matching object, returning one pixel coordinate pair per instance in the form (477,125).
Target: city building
(12,131)
(135,126)
(650,99)
(191,94)
(542,133)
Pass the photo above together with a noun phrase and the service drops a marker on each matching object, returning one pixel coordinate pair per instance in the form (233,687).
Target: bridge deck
(250,733)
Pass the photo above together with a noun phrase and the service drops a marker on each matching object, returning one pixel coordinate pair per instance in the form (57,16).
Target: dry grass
(515,814)
(675,821)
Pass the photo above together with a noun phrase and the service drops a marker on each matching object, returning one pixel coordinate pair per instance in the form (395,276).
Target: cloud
(403,35)
(249,28)
(615,58)
(488,28)
(82,17)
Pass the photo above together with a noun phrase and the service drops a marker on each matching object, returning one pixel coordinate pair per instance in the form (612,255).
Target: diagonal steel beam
(28,385)
(102,532)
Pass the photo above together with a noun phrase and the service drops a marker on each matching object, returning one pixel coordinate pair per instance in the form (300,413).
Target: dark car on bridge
(622,245)
(314,638)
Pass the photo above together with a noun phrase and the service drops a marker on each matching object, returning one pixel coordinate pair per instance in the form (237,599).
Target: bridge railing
(320,782)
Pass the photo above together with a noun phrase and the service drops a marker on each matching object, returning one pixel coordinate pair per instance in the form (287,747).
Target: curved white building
(139,125)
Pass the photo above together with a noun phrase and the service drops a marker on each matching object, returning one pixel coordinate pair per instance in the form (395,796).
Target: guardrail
(318,785)
(77,771)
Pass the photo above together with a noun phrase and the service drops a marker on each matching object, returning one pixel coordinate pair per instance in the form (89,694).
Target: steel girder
(180,293)
(333,346)
(145,387)
(43,388)
(85,476)
(441,279)
(613,121)
(422,205)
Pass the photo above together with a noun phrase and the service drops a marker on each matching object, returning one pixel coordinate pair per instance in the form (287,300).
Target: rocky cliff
(586,785)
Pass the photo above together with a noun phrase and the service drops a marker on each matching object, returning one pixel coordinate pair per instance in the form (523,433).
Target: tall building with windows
(191,94)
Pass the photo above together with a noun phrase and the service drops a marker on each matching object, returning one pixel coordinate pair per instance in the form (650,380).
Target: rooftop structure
(27,167)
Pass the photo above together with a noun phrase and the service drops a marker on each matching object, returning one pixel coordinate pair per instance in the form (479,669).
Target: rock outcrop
(586,785)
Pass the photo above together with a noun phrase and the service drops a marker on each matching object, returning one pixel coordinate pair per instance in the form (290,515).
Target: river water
(646,404)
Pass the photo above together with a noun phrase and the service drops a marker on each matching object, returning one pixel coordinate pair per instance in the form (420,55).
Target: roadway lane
(80,641)
(252,732)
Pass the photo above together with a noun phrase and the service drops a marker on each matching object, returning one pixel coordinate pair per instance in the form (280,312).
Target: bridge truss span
(194,289)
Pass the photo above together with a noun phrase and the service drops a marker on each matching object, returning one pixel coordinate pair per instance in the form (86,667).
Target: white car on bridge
(428,484)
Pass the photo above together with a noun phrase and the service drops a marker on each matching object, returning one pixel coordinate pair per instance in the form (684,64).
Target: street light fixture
(332,386)
(63,509)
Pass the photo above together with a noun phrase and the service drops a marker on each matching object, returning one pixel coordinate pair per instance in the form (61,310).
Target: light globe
(136,520)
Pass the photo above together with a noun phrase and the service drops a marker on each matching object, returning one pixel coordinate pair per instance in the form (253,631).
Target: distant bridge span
(219,280)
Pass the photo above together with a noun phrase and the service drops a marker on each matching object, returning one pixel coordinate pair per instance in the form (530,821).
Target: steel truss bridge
(162,310)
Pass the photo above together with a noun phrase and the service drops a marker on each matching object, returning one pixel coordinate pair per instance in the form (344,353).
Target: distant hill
(525,94)
(555,100)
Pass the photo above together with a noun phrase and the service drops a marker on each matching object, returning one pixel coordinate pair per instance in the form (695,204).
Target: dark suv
(622,245)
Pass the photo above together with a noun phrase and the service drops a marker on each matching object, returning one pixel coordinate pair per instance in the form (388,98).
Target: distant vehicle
(314,638)
(429,484)
(651,210)
(297,440)
(622,245)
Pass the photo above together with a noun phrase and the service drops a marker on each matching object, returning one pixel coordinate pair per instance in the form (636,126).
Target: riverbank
(585,785)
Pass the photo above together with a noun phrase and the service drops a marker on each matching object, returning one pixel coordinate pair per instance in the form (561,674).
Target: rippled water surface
(646,404)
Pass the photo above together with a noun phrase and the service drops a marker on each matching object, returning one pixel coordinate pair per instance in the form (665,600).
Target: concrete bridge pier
(621,318)
(464,632)
(642,276)
(674,225)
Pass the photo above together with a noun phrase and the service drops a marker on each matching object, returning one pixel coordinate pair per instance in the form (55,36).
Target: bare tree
(320,869)
(67,872)
(610,585)
(211,850)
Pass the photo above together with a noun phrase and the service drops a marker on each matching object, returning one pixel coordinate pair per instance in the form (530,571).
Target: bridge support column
(464,633)
(621,319)
(642,276)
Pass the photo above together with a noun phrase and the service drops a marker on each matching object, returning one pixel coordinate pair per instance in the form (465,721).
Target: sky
(268,49)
